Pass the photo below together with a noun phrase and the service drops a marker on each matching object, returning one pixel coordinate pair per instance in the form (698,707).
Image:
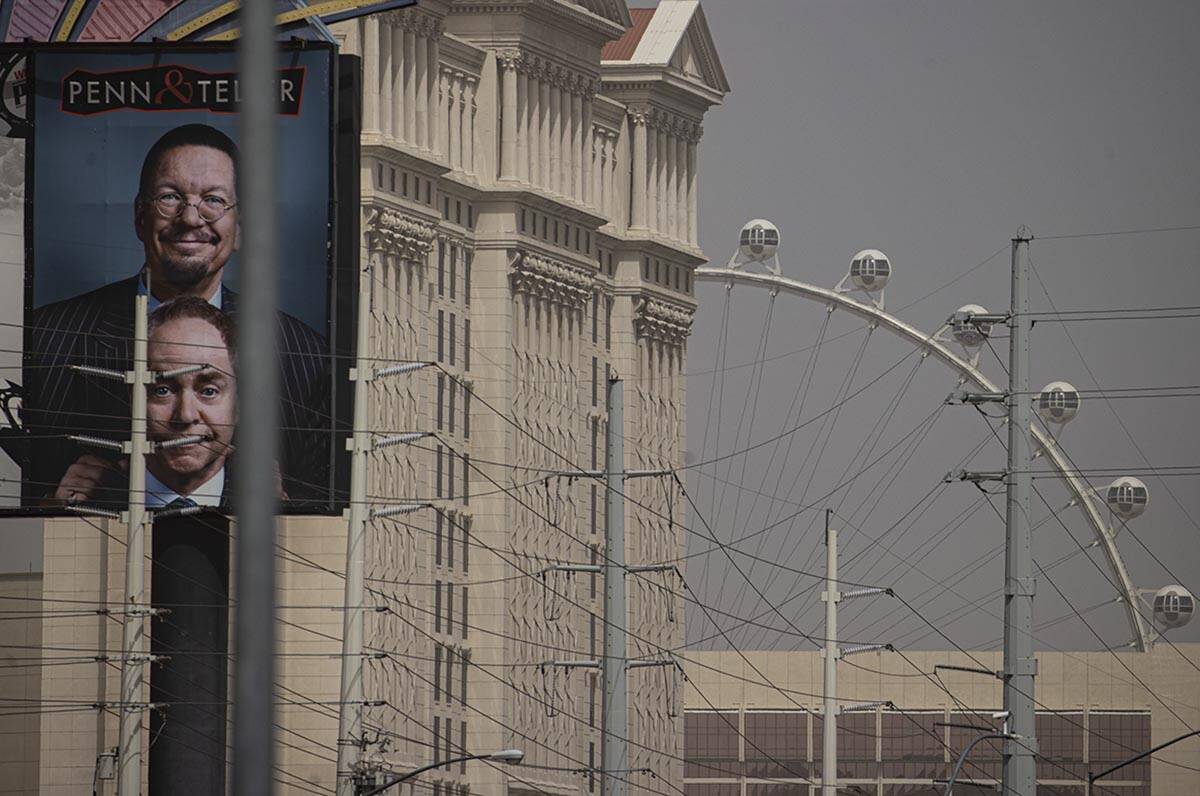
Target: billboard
(131,188)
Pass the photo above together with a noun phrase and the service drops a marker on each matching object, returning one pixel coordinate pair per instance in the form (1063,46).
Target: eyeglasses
(211,208)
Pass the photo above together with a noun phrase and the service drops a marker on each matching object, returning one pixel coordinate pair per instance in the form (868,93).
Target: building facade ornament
(550,279)
(396,233)
(659,320)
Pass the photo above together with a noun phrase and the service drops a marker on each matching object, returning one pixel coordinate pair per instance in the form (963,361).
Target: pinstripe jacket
(96,329)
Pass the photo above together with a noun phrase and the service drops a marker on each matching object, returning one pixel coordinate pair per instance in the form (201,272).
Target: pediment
(612,10)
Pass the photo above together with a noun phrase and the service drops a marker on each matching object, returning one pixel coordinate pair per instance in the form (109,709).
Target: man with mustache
(187,219)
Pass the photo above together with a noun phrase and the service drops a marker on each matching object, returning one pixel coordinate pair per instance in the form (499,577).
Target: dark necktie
(181,503)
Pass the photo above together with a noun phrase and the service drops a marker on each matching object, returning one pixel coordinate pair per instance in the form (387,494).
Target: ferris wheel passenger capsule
(1058,402)
(1127,497)
(870,270)
(1174,606)
(967,333)
(759,240)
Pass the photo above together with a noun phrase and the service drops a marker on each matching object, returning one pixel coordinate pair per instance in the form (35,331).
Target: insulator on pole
(97,442)
(406,508)
(400,439)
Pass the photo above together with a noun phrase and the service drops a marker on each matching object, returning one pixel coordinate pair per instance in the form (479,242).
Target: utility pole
(258,427)
(1020,666)
(350,717)
(830,654)
(614,747)
(129,782)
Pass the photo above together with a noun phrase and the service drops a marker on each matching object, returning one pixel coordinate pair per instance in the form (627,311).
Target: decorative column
(660,177)
(508,114)
(652,172)
(681,191)
(637,199)
(444,105)
(399,56)
(435,66)
(410,85)
(564,132)
(371,74)
(547,154)
(385,78)
(533,131)
(423,81)
(522,123)
(693,187)
(456,120)
(469,124)
(555,182)
(609,181)
(671,194)
(587,147)
(596,159)
(576,183)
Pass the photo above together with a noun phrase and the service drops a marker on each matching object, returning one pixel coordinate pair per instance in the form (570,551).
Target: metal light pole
(830,654)
(129,782)
(614,753)
(258,431)
(350,719)
(1020,666)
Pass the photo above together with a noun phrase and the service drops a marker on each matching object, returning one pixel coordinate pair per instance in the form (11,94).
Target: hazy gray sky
(932,130)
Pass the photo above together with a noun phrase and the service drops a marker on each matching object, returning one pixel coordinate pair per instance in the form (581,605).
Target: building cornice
(397,233)
(664,321)
(573,18)
(551,279)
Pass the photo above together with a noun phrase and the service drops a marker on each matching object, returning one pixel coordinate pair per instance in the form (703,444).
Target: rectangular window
(463,624)
(441,392)
(455,256)
(453,393)
(591,766)
(441,344)
(450,526)
(437,489)
(458,213)
(592,635)
(449,675)
(392,179)
(592,575)
(466,402)
(437,539)
(521,220)
(379,176)
(449,744)
(462,745)
(646,269)
(470,216)
(608,308)
(449,609)
(466,544)
(592,701)
(437,606)
(576,238)
(467,258)
(595,434)
(595,317)
(450,473)
(593,509)
(437,737)
(437,672)
(453,346)
(404,183)
(428,192)
(466,343)
(545,226)
(595,381)
(463,657)
(466,468)
(446,207)
(441,268)
(656,267)
(587,241)
(556,230)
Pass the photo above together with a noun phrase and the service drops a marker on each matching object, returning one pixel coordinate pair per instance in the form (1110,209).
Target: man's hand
(84,478)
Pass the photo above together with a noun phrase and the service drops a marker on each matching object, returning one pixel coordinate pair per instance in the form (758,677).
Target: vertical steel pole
(258,432)
(350,715)
(1020,667)
(830,654)
(615,748)
(132,652)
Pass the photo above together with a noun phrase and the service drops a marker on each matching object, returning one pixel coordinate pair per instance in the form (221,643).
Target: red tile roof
(623,48)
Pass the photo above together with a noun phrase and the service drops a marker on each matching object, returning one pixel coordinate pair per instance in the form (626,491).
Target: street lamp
(510,756)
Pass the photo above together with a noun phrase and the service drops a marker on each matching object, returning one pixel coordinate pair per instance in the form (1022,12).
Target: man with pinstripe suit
(186,216)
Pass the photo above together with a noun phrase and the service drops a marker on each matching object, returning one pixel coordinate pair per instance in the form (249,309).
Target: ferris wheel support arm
(1142,635)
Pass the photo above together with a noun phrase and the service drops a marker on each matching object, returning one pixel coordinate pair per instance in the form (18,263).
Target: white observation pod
(1174,606)
(1057,402)
(1127,497)
(870,270)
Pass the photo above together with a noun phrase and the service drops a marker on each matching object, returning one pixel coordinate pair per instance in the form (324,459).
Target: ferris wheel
(957,343)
